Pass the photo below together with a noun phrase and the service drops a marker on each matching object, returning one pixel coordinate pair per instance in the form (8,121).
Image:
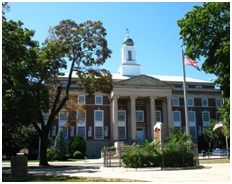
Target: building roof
(165,78)
(118,77)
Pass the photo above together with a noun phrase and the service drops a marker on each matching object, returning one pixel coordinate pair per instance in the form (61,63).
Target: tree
(211,139)
(31,84)
(205,32)
(85,47)
(59,148)
(224,112)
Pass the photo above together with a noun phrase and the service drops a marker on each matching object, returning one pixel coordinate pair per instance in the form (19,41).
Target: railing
(139,156)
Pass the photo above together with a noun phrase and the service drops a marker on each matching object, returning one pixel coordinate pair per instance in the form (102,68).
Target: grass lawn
(213,161)
(38,178)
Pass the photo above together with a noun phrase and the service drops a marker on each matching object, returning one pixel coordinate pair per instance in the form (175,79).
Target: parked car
(219,152)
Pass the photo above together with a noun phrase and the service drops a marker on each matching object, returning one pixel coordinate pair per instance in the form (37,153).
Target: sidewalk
(94,168)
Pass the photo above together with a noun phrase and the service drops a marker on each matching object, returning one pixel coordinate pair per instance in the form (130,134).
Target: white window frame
(98,97)
(62,122)
(190,100)
(175,122)
(122,124)
(81,125)
(192,118)
(98,124)
(175,101)
(142,115)
(81,99)
(204,102)
(158,116)
(218,102)
(205,123)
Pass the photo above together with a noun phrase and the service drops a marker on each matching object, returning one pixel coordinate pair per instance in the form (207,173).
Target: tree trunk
(43,149)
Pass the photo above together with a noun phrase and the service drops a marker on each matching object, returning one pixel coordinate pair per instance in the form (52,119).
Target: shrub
(78,155)
(78,144)
(145,156)
(50,154)
(59,148)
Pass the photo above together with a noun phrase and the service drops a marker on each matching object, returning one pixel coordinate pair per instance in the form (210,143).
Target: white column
(133,118)
(169,113)
(153,115)
(115,118)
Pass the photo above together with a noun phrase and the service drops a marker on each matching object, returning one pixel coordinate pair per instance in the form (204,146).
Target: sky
(152,26)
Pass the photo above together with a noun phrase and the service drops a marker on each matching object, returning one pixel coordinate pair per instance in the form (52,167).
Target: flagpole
(185,95)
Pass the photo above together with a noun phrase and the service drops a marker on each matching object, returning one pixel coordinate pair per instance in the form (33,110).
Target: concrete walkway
(94,168)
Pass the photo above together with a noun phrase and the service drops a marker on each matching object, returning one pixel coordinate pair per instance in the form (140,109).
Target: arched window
(129,55)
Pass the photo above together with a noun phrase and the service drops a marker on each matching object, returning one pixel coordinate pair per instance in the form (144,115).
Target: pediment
(142,81)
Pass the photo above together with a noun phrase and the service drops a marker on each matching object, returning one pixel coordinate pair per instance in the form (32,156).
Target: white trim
(96,101)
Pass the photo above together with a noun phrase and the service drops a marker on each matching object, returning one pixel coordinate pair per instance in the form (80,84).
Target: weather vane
(127,30)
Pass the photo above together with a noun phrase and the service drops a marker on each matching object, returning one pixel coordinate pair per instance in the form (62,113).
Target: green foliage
(50,155)
(86,47)
(177,152)
(142,156)
(78,155)
(59,148)
(215,138)
(78,144)
(224,112)
(205,32)
(27,68)
(18,137)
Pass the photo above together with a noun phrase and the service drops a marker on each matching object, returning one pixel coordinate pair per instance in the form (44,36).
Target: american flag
(189,61)
(218,125)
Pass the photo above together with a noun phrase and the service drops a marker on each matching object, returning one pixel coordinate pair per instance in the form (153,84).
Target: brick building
(140,107)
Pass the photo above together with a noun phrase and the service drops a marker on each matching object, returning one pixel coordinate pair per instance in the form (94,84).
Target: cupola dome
(128,41)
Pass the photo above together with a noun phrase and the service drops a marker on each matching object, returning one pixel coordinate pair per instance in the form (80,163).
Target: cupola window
(129,55)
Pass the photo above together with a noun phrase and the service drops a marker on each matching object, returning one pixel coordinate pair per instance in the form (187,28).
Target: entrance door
(140,135)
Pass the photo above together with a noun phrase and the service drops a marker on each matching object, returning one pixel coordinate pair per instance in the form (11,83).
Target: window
(98,124)
(122,115)
(205,118)
(98,116)
(139,116)
(129,55)
(81,126)
(199,87)
(175,101)
(192,131)
(81,99)
(192,118)
(65,132)
(62,121)
(81,131)
(176,118)
(98,100)
(204,102)
(121,133)
(190,102)
(121,124)
(218,102)
(158,116)
(98,133)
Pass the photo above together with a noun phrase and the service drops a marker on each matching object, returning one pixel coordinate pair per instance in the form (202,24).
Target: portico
(141,99)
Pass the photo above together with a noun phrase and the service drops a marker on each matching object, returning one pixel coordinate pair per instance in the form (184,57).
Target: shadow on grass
(40,178)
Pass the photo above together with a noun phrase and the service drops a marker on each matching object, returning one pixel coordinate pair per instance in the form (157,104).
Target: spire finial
(127,30)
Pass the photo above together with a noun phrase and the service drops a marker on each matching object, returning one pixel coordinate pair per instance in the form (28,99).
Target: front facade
(140,107)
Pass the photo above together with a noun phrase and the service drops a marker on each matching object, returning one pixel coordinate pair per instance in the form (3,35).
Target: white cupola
(129,65)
